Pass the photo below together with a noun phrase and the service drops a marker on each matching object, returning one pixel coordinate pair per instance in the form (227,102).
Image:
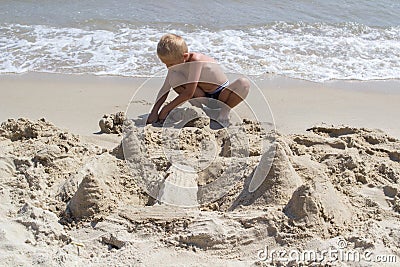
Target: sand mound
(302,190)
(112,123)
(219,157)
(49,166)
(26,129)
(274,188)
(189,117)
(44,224)
(91,198)
(316,205)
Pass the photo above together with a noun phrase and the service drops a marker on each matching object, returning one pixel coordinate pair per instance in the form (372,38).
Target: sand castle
(83,203)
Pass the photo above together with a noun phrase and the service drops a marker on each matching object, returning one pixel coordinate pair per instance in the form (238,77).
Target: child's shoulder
(201,57)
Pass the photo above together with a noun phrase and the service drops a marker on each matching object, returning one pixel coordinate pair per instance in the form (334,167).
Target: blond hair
(171,46)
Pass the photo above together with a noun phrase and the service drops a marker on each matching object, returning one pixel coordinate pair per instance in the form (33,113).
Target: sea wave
(311,51)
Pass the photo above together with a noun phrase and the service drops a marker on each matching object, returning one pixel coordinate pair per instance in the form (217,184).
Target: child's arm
(181,98)
(161,97)
(190,88)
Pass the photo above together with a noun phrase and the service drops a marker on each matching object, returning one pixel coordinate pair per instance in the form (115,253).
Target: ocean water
(317,40)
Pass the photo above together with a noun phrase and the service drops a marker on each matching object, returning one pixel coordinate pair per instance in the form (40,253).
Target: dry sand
(69,198)
(76,102)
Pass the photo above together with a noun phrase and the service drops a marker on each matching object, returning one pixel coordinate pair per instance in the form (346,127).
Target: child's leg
(235,93)
(195,101)
(177,81)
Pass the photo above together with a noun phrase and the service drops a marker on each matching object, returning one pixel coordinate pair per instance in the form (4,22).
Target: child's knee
(244,86)
(244,83)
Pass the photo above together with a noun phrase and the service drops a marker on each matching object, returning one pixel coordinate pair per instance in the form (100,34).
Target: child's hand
(153,117)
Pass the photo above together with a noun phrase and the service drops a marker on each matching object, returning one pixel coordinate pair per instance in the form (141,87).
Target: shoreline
(77,102)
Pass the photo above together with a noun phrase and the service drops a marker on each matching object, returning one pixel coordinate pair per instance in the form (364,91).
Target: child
(194,75)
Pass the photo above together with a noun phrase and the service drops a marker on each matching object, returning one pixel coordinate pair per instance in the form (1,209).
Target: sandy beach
(304,172)
(327,180)
(76,102)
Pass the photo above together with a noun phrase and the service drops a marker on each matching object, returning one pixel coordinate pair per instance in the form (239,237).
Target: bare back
(211,73)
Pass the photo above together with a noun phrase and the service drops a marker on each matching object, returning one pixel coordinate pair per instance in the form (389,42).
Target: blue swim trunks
(217,91)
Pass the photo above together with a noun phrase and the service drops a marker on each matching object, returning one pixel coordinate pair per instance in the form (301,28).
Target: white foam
(316,52)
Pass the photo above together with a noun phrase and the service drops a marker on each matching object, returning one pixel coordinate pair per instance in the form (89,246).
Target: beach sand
(68,198)
(76,102)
